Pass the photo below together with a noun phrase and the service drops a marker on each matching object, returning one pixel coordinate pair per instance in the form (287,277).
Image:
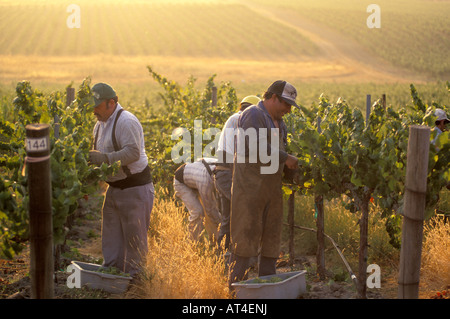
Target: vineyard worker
(441,123)
(193,184)
(256,200)
(224,169)
(118,136)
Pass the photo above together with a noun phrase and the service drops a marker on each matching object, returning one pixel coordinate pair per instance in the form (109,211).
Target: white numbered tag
(37,144)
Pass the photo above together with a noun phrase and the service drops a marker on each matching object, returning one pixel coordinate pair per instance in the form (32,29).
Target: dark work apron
(256,209)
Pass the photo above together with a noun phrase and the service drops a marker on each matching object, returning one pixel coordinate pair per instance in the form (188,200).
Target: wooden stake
(70,95)
(368,107)
(40,210)
(320,224)
(413,212)
(214,96)
(363,240)
(291,210)
(213,101)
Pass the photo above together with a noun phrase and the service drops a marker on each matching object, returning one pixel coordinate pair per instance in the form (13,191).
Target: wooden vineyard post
(368,106)
(320,224)
(363,244)
(213,101)
(413,212)
(40,210)
(291,210)
(214,96)
(70,95)
(363,204)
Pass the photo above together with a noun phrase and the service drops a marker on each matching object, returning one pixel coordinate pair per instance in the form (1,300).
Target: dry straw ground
(178,267)
(436,255)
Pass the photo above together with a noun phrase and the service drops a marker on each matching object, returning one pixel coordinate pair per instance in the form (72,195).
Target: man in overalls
(256,200)
(223,176)
(118,136)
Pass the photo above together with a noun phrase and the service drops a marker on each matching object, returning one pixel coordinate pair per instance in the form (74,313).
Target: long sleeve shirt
(258,117)
(227,139)
(130,139)
(196,176)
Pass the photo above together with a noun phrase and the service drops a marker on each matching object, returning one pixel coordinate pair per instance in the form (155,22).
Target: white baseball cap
(441,115)
(285,90)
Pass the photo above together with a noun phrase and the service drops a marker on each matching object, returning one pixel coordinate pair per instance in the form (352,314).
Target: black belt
(138,179)
(179,173)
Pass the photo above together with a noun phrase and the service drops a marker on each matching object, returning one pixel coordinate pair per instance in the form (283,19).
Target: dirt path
(335,47)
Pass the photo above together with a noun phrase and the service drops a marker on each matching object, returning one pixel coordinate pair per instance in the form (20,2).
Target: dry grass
(178,268)
(436,255)
(343,227)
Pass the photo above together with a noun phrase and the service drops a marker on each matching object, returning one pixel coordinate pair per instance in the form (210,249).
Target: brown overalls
(256,201)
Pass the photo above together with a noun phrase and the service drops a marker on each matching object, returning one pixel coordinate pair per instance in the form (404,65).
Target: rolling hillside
(321,46)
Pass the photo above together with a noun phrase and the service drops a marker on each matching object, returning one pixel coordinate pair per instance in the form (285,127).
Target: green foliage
(365,160)
(13,219)
(71,175)
(339,152)
(183,106)
(271,280)
(112,271)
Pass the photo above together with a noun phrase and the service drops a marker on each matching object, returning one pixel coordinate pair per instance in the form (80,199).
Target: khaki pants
(125,222)
(193,202)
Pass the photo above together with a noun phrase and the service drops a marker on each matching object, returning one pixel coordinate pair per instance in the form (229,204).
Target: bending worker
(118,136)
(193,184)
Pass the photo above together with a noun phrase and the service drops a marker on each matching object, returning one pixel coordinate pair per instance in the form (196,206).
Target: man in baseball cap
(256,215)
(441,122)
(118,137)
(101,92)
(284,90)
(441,117)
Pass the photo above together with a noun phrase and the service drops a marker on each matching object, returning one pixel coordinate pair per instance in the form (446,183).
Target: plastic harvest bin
(292,285)
(90,277)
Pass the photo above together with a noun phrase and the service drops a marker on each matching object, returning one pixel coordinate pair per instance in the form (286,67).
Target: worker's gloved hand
(97,158)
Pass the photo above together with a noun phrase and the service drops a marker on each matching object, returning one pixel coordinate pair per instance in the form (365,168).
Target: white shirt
(438,132)
(227,136)
(196,176)
(130,139)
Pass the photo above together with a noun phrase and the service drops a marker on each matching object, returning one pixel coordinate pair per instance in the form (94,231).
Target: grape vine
(365,160)
(71,175)
(340,152)
(181,107)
